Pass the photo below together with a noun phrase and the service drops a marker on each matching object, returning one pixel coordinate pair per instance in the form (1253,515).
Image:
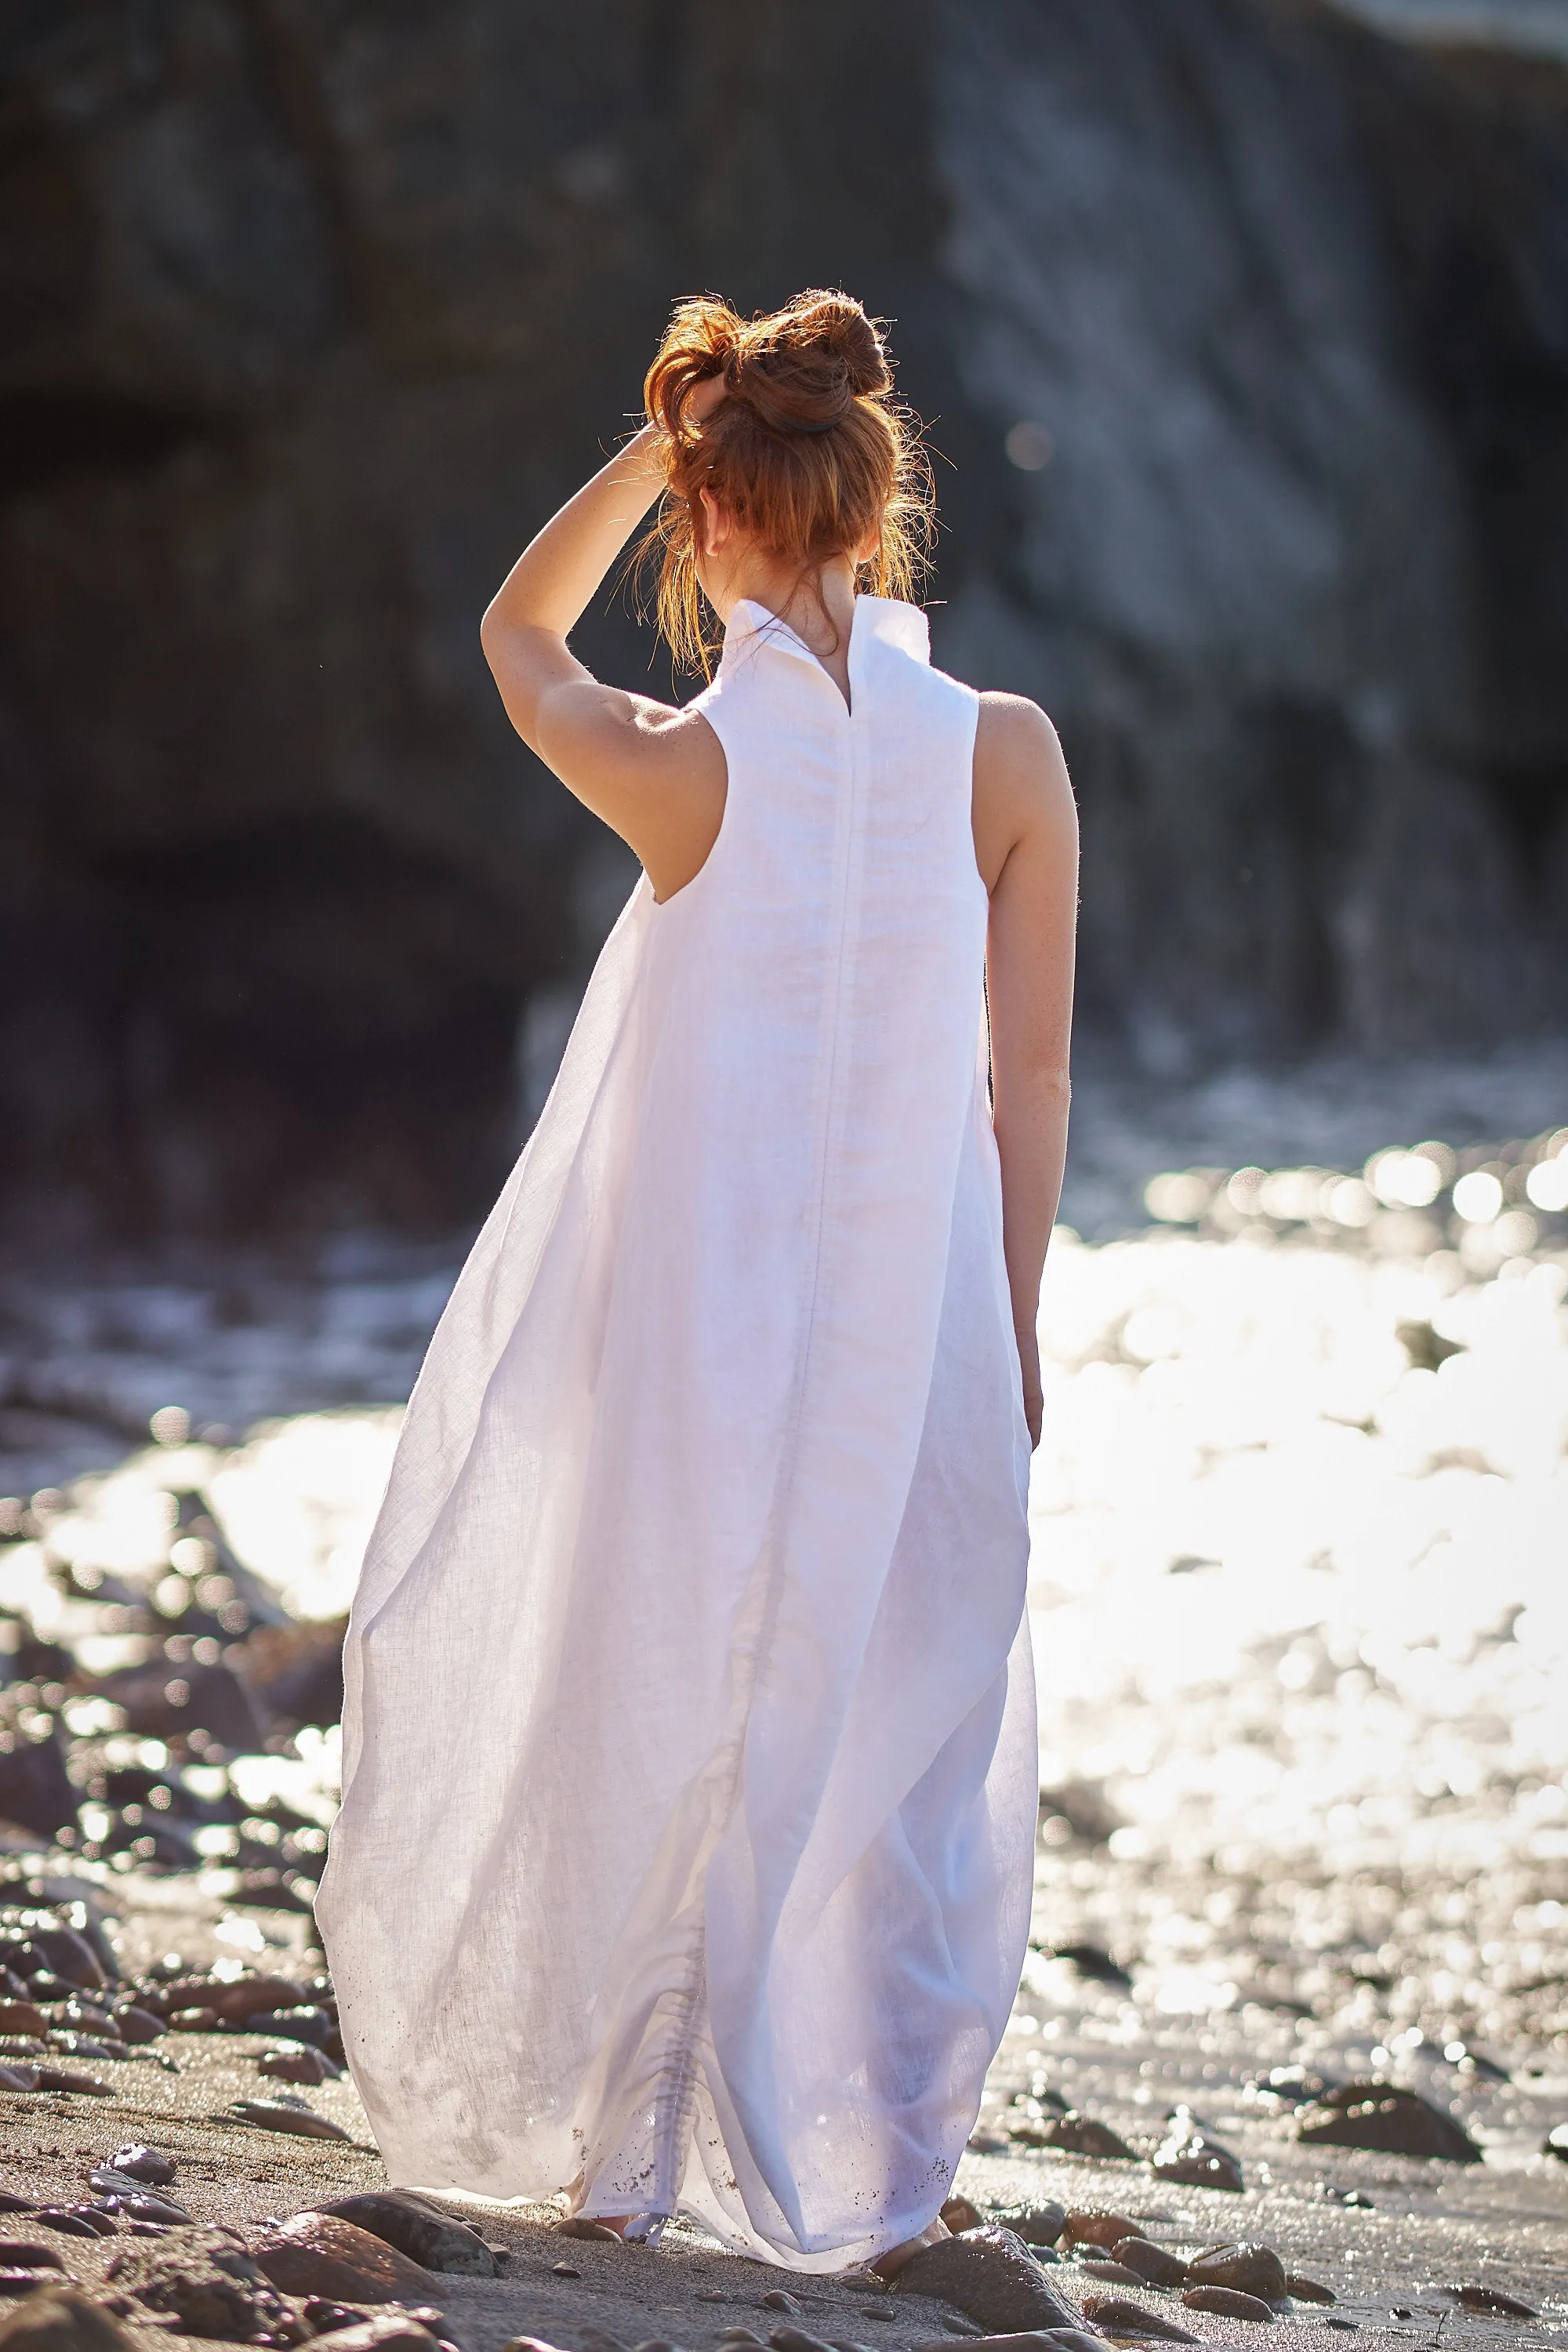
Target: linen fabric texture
(686,1851)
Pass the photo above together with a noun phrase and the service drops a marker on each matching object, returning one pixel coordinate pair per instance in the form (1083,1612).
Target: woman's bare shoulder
(1022,792)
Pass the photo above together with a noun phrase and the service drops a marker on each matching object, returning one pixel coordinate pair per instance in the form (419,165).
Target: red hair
(808,451)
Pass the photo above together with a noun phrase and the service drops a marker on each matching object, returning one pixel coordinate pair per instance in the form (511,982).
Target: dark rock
(777,2298)
(1113,2273)
(1155,2265)
(1189,2154)
(15,2076)
(1228,2302)
(1308,2290)
(1491,2298)
(320,2254)
(22,2017)
(961,2215)
(1114,2315)
(1253,2269)
(989,2274)
(565,2270)
(139,2025)
(144,2205)
(282,2115)
(68,2224)
(1289,2086)
(1556,2143)
(311,2067)
(36,1789)
(1092,1961)
(1076,2134)
(68,2078)
(419,2231)
(291,893)
(390,2332)
(62,2319)
(205,2280)
(1037,2225)
(795,2339)
(1083,2227)
(310,2024)
(580,2225)
(1381,2116)
(232,2002)
(22,2254)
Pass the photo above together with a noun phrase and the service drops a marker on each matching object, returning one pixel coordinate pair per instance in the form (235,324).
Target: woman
(686,1850)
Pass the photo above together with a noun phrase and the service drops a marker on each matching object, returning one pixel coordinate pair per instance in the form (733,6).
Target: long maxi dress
(690,1749)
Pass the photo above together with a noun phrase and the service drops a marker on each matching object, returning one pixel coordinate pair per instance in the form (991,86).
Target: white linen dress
(690,1754)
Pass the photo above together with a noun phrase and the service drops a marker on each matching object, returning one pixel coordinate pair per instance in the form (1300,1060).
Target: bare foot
(888,2266)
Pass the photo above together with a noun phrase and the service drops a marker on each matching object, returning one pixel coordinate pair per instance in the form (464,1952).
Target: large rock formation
(310,313)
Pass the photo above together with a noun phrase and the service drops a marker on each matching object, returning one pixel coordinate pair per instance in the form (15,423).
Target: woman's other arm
(1025,840)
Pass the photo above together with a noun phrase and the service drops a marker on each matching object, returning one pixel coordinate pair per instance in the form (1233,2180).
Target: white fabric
(686,1838)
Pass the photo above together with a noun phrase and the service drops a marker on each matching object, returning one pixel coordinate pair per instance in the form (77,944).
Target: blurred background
(1241,329)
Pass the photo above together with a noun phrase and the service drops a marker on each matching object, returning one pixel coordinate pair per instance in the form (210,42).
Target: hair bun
(802,368)
(838,326)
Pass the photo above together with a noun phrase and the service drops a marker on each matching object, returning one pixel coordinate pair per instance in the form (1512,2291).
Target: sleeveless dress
(686,1851)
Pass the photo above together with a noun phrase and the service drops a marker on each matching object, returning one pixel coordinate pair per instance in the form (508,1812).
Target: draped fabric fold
(689,1762)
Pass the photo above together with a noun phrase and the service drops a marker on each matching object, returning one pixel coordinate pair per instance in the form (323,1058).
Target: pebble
(62,2319)
(1114,2274)
(150,2166)
(1491,2298)
(1077,2135)
(777,2299)
(961,2215)
(1037,2225)
(66,2078)
(1188,2154)
(320,2254)
(795,2339)
(577,2225)
(990,2275)
(1093,1961)
(142,2205)
(426,2235)
(139,2025)
(1308,2290)
(1381,2116)
(1082,2227)
(22,2017)
(1253,2269)
(1154,2265)
(68,2224)
(391,2331)
(1229,2302)
(287,2116)
(1556,2143)
(565,2270)
(301,2066)
(206,2280)
(22,2254)
(1114,2315)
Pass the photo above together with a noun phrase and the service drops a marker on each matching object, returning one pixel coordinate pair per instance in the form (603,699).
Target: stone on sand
(320,2254)
(989,2274)
(62,2319)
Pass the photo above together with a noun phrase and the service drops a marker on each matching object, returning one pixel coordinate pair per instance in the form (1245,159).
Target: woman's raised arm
(654,773)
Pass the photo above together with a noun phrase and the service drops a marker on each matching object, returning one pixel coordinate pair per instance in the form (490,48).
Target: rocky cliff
(1244,329)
